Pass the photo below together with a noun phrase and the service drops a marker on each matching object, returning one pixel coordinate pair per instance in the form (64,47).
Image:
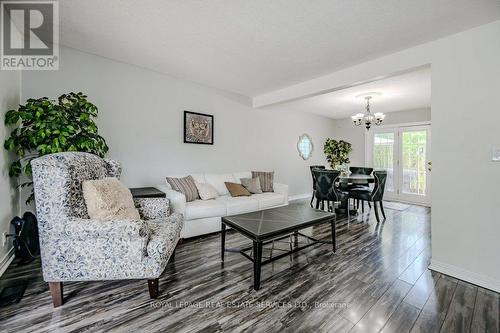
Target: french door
(404,152)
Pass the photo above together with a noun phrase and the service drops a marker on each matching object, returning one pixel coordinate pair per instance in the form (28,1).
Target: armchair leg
(153,288)
(56,291)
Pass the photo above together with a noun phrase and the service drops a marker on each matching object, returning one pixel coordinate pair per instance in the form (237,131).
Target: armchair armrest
(79,228)
(152,208)
(281,189)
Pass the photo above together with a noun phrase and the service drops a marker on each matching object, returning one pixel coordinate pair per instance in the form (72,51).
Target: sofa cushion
(252,185)
(217,181)
(237,190)
(266,180)
(204,208)
(239,205)
(269,199)
(206,191)
(198,177)
(184,185)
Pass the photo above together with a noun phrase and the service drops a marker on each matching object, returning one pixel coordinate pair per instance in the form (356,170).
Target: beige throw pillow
(109,199)
(206,191)
(252,185)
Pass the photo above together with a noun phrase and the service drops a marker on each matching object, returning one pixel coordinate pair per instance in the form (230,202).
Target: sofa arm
(152,208)
(281,189)
(79,228)
(177,201)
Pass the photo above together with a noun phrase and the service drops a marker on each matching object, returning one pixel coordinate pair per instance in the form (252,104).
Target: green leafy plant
(337,152)
(44,126)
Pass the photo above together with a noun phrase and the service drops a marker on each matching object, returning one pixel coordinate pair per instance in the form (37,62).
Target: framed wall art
(198,128)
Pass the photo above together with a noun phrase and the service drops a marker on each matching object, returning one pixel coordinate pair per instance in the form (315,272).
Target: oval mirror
(305,146)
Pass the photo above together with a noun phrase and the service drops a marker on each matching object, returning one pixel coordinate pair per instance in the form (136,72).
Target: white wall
(141,117)
(345,130)
(465,127)
(9,199)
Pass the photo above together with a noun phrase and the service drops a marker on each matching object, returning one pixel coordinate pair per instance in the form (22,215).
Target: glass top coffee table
(274,224)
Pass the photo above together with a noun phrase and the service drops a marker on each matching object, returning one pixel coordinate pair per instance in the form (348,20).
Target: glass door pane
(383,156)
(414,152)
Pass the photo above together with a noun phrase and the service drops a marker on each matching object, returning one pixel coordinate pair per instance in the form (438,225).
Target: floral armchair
(77,248)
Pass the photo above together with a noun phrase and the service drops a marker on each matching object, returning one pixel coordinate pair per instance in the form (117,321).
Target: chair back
(379,188)
(57,183)
(325,185)
(312,167)
(361,170)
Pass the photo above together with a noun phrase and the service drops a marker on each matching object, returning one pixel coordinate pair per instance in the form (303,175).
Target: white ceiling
(255,46)
(403,92)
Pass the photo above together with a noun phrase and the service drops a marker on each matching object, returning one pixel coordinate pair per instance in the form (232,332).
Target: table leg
(257,261)
(334,233)
(222,241)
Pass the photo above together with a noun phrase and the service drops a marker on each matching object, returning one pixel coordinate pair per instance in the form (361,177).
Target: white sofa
(204,216)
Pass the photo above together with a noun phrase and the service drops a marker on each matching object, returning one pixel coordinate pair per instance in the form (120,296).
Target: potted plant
(337,153)
(43,126)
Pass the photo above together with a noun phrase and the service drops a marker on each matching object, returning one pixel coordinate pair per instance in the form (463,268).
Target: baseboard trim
(299,196)
(465,275)
(6,260)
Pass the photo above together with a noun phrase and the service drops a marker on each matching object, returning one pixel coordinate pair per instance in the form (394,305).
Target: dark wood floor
(377,281)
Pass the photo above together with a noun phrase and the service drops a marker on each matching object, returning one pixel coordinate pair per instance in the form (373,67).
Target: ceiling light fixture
(368,118)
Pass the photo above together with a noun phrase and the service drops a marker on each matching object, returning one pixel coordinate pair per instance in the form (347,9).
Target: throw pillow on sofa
(206,191)
(252,185)
(237,190)
(109,199)
(186,186)
(266,180)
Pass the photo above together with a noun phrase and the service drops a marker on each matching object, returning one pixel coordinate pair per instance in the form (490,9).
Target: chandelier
(368,118)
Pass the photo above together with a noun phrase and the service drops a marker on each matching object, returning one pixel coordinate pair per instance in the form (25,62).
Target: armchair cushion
(78,228)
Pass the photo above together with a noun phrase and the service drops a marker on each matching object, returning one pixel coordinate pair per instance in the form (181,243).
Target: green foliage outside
(43,126)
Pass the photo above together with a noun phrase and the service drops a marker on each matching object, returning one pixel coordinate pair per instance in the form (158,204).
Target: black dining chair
(360,183)
(326,188)
(321,167)
(376,195)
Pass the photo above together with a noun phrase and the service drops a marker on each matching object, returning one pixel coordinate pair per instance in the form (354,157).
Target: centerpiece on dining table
(337,153)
